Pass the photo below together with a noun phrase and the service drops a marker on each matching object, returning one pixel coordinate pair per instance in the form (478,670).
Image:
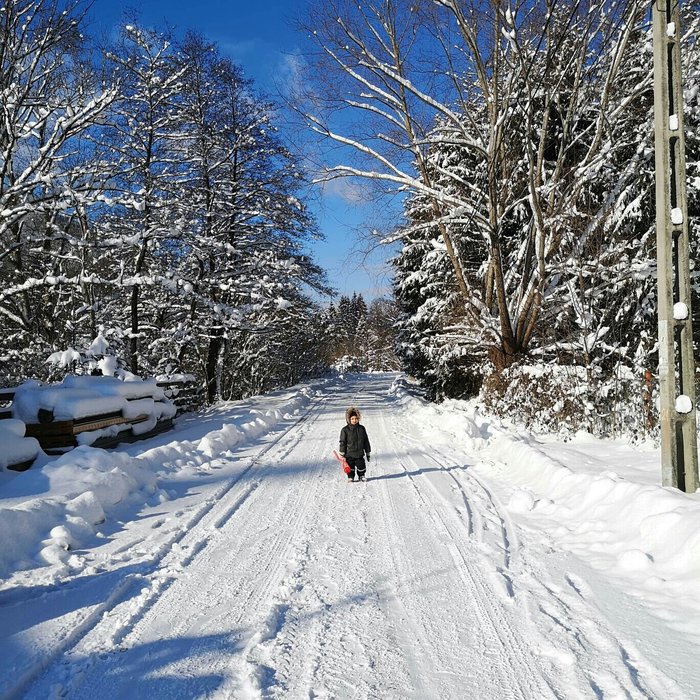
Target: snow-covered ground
(229,558)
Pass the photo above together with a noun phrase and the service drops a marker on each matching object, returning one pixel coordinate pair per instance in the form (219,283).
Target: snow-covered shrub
(457,376)
(568,398)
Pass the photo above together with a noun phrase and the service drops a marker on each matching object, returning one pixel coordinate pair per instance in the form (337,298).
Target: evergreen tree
(382,317)
(343,329)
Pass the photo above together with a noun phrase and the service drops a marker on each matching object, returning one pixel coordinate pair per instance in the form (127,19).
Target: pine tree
(382,316)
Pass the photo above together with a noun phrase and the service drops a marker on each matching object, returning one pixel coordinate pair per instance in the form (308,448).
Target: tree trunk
(133,340)
(216,342)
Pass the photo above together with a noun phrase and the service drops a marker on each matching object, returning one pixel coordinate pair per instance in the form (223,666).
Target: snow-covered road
(266,575)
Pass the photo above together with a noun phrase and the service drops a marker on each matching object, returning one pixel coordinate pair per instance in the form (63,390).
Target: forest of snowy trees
(148,200)
(361,337)
(523,136)
(148,209)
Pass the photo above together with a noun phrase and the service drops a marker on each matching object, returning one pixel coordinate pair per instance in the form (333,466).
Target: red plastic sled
(344,464)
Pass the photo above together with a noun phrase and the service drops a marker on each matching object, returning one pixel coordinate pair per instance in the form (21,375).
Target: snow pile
(50,510)
(644,535)
(67,498)
(16,448)
(404,395)
(599,499)
(221,441)
(458,418)
(82,396)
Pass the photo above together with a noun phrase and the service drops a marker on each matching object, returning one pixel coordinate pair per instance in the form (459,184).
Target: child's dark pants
(357,464)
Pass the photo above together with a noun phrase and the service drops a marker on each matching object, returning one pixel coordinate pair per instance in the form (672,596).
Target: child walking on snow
(354,444)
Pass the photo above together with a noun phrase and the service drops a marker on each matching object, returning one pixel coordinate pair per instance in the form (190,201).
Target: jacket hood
(350,410)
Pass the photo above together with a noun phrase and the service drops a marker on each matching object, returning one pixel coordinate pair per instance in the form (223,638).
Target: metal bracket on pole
(679,454)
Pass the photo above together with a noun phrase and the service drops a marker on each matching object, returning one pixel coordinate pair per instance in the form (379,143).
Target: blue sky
(261,37)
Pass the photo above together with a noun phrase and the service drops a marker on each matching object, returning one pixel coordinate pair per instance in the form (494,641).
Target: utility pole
(679,453)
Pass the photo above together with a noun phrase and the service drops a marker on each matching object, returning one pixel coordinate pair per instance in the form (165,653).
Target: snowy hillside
(230,558)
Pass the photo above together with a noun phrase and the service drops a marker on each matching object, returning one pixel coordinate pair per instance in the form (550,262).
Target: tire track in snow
(326,635)
(507,656)
(267,563)
(107,627)
(580,630)
(486,515)
(574,632)
(416,644)
(240,610)
(358,647)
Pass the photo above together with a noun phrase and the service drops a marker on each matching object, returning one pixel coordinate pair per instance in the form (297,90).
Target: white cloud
(292,67)
(346,188)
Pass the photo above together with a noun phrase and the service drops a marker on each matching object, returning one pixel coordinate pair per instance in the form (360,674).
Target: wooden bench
(57,436)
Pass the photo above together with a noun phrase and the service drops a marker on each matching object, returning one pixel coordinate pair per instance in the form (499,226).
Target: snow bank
(598,499)
(16,448)
(47,512)
(68,497)
(458,418)
(645,535)
(221,441)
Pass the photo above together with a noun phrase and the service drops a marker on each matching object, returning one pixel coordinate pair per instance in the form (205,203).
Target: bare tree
(524,90)
(144,171)
(49,100)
